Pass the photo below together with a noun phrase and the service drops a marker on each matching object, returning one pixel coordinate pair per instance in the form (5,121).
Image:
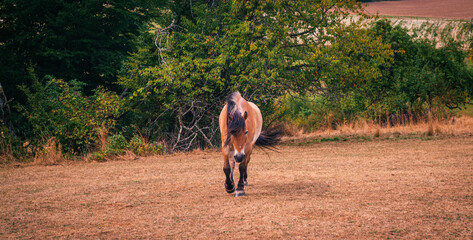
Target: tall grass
(12,149)
(455,126)
(6,152)
(304,116)
(51,153)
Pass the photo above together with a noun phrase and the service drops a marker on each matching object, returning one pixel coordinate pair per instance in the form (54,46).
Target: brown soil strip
(455,9)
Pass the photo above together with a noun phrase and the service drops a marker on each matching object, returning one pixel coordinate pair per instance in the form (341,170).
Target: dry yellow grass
(410,189)
(51,153)
(456,126)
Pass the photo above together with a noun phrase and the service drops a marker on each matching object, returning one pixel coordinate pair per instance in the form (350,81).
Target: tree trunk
(5,114)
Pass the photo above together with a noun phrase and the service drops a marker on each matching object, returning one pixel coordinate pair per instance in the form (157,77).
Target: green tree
(380,71)
(422,73)
(82,40)
(206,49)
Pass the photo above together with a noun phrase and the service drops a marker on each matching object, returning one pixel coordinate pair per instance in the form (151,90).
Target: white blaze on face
(239,153)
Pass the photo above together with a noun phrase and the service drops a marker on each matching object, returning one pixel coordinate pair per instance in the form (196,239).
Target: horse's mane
(235,121)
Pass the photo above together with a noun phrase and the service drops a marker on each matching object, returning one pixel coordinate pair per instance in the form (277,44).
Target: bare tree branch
(161,33)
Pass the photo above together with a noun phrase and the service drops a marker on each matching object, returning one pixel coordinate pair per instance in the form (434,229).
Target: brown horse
(240,127)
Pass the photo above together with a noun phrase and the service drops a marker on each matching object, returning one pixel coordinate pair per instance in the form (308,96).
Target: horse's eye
(246,132)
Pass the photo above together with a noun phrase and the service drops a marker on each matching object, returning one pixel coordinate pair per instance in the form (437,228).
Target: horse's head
(237,133)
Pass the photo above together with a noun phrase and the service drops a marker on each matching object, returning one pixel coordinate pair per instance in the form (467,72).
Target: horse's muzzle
(239,158)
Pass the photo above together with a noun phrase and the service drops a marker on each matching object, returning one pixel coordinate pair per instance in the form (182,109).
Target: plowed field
(455,9)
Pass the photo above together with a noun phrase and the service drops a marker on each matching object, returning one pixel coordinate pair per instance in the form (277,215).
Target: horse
(240,127)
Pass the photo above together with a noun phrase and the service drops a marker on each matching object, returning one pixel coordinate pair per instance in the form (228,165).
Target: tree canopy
(261,48)
(81,40)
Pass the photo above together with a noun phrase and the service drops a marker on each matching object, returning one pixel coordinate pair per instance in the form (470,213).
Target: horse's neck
(242,105)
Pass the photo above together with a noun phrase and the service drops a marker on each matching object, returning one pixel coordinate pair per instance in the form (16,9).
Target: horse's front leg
(228,165)
(240,191)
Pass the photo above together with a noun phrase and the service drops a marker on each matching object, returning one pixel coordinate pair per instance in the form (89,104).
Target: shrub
(139,147)
(11,148)
(305,112)
(422,73)
(118,145)
(59,109)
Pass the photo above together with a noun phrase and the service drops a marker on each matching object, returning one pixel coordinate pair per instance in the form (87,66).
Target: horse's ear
(245,115)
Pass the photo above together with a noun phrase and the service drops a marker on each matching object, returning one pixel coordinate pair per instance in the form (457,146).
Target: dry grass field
(395,188)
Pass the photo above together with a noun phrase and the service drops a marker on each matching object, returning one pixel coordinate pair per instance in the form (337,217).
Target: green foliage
(310,63)
(382,72)
(138,146)
(118,145)
(422,73)
(260,48)
(57,108)
(355,63)
(302,112)
(313,112)
(85,40)
(11,148)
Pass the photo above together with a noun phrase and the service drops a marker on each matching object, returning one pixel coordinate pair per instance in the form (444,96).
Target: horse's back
(258,121)
(222,120)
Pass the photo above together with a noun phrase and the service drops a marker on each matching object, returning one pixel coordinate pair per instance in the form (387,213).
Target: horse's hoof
(239,193)
(245,182)
(229,190)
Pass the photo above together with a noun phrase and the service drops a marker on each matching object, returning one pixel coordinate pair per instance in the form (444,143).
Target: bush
(422,73)
(314,112)
(11,148)
(301,111)
(139,147)
(118,145)
(59,109)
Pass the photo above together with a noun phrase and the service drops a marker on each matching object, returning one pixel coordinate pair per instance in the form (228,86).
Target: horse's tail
(270,137)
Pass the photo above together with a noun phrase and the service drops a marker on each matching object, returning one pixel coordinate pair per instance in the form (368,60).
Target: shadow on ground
(291,189)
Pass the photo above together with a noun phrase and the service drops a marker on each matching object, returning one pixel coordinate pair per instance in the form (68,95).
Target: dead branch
(196,126)
(160,35)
